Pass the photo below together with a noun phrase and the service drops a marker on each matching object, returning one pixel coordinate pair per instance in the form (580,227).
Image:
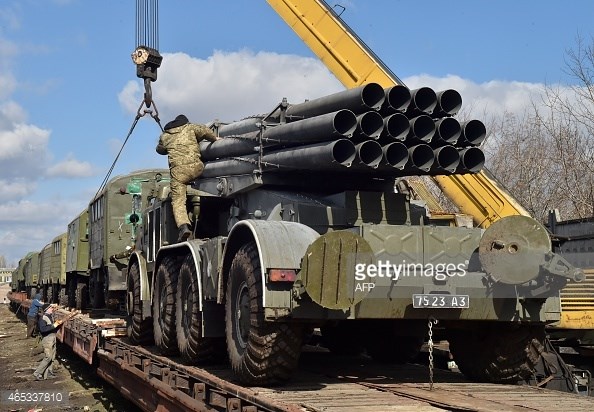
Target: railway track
(324,382)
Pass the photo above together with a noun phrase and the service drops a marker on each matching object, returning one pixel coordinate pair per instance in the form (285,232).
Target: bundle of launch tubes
(389,132)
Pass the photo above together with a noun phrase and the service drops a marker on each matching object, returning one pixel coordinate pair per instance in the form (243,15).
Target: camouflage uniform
(180,142)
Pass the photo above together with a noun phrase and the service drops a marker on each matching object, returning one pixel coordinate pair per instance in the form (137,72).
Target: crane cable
(147,59)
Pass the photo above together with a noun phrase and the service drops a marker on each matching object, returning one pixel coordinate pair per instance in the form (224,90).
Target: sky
(69,92)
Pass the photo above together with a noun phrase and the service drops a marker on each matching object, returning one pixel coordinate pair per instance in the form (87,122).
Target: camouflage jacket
(181,143)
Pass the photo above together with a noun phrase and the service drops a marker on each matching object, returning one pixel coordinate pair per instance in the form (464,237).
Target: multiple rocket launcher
(390,132)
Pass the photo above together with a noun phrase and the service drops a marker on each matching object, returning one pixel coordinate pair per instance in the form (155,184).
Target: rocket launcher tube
(395,155)
(449,103)
(359,100)
(474,133)
(472,159)
(422,129)
(422,100)
(369,154)
(370,125)
(341,123)
(447,159)
(397,99)
(447,130)
(420,157)
(396,127)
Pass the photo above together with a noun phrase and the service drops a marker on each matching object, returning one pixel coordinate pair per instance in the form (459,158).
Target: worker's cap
(180,120)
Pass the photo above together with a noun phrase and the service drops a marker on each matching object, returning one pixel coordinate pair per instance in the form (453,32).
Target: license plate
(445,301)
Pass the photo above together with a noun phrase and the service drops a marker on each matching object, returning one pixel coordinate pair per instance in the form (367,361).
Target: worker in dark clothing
(36,305)
(180,141)
(47,328)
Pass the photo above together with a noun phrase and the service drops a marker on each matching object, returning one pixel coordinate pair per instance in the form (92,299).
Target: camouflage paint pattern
(181,145)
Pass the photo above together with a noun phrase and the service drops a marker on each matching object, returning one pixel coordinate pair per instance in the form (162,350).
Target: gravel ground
(76,380)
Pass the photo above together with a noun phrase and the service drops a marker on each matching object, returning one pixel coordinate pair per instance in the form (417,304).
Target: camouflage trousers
(49,351)
(180,177)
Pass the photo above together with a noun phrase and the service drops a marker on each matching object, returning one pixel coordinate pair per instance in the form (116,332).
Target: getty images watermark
(366,274)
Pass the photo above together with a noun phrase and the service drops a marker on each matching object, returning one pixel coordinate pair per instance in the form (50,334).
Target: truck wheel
(260,352)
(81,296)
(497,353)
(139,330)
(164,307)
(193,347)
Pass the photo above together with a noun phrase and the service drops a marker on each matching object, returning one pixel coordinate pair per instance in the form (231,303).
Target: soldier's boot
(184,233)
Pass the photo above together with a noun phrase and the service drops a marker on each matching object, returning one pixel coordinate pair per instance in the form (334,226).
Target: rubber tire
(164,294)
(267,352)
(342,338)
(193,347)
(139,330)
(498,353)
(81,296)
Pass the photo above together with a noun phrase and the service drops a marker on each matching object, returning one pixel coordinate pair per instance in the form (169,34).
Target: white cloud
(15,188)
(231,85)
(70,167)
(493,98)
(23,151)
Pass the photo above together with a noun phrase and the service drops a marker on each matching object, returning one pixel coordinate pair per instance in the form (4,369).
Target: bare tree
(546,156)
(3,263)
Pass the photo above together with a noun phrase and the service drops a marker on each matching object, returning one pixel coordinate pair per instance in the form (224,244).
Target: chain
(432,321)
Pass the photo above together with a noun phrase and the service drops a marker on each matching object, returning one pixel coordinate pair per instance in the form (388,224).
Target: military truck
(114,215)
(31,273)
(77,261)
(53,269)
(302,219)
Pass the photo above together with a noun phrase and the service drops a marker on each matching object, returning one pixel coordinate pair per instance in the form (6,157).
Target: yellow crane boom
(354,64)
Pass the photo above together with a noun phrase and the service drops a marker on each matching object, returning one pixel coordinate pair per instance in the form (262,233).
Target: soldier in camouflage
(180,141)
